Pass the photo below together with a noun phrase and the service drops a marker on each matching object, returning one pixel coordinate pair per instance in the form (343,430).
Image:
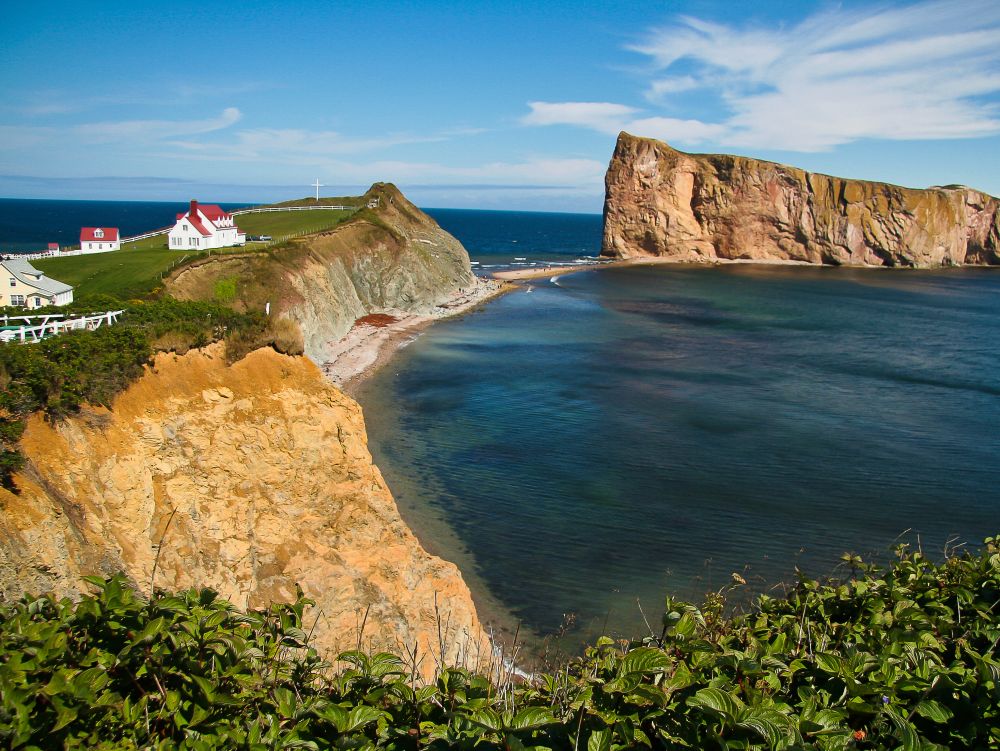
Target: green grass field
(135,270)
(279,224)
(125,273)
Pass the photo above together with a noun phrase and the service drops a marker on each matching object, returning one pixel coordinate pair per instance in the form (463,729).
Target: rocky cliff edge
(256,477)
(388,258)
(662,202)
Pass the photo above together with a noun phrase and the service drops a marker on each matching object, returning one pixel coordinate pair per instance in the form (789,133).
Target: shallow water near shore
(620,434)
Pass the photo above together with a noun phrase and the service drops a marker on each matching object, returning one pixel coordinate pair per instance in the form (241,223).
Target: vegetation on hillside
(129,273)
(138,268)
(903,657)
(58,375)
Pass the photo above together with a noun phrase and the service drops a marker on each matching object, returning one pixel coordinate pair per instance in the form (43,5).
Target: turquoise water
(615,435)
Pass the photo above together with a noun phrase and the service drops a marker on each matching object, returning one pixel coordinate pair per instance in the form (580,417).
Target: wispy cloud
(285,144)
(612,118)
(603,116)
(923,71)
(153,130)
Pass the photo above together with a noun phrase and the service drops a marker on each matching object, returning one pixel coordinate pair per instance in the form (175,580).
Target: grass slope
(278,224)
(135,270)
(124,273)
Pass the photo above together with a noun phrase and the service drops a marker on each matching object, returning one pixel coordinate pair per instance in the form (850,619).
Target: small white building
(24,286)
(203,227)
(97,239)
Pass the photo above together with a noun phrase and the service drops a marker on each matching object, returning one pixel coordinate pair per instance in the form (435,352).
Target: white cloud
(612,118)
(284,144)
(154,130)
(930,70)
(603,116)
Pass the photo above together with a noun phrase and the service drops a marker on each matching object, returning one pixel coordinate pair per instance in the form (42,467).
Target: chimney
(194,209)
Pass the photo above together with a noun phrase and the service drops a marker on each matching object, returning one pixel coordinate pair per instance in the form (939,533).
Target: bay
(612,436)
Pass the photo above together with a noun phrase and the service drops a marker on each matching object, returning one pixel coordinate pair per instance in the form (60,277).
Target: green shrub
(60,374)
(225,290)
(903,657)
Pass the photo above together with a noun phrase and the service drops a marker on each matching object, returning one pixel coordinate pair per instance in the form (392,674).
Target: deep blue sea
(28,225)
(608,437)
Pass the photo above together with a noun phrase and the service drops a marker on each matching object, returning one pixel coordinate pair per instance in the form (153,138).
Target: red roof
(196,223)
(212,211)
(53,246)
(87,235)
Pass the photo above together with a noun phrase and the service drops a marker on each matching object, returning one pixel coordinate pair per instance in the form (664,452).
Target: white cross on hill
(318,185)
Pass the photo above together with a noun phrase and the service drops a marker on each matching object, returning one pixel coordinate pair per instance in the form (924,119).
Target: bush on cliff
(60,374)
(902,657)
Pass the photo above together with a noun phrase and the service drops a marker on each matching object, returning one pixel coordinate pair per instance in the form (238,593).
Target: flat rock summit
(661,202)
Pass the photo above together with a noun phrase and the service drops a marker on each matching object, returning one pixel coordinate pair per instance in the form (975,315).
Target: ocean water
(598,440)
(28,225)
(498,240)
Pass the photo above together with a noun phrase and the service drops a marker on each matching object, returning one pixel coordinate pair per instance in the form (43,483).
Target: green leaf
(934,711)
(718,702)
(286,701)
(64,714)
(488,718)
(645,660)
(207,689)
(532,718)
(358,717)
(386,664)
(599,740)
(830,663)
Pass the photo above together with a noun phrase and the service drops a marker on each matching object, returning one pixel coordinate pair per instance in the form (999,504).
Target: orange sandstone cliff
(266,471)
(661,202)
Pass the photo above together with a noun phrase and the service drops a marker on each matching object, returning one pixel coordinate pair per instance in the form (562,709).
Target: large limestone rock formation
(266,470)
(704,207)
(392,258)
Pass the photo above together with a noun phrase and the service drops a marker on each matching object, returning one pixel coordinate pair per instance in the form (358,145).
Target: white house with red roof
(204,226)
(97,239)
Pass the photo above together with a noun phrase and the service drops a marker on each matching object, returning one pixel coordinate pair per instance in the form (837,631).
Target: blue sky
(484,105)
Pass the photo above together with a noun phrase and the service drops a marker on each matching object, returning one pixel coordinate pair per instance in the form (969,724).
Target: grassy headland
(57,376)
(136,270)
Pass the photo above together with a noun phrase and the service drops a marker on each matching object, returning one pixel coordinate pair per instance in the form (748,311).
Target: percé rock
(389,259)
(256,477)
(706,207)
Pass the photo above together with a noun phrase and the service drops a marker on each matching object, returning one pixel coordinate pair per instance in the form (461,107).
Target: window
(17,300)
(13,282)
(98,232)
(38,302)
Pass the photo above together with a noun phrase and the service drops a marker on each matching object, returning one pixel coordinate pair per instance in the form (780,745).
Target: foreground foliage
(904,657)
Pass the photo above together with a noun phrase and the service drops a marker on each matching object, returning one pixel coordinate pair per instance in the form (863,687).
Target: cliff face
(702,207)
(267,468)
(392,258)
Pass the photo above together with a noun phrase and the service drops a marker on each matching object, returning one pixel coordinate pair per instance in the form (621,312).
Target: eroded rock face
(393,258)
(705,207)
(268,470)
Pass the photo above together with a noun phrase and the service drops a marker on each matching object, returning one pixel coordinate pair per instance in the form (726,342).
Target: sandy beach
(516,275)
(373,340)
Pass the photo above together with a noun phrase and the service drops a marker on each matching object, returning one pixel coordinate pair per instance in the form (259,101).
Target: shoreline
(517,275)
(368,347)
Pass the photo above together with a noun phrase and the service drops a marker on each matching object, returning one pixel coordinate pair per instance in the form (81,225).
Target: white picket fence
(290,208)
(52,325)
